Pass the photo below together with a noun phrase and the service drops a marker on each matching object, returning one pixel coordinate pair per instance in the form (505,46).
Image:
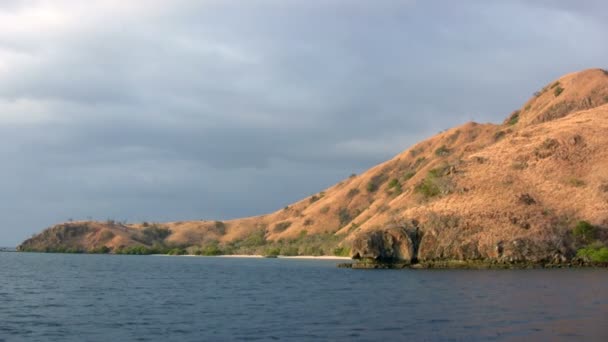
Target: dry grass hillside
(513,191)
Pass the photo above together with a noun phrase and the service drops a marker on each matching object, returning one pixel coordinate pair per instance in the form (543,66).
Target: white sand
(323,257)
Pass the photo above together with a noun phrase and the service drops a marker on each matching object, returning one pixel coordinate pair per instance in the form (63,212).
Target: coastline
(257,256)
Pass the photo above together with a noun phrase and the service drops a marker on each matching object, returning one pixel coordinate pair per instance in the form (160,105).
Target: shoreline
(257,256)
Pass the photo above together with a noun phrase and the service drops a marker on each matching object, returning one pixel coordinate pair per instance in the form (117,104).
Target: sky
(169,110)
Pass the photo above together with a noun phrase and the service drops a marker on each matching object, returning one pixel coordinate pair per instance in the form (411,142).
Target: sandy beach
(312,257)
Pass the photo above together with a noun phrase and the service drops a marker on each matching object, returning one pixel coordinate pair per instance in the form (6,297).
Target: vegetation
(374,184)
(281,226)
(577,182)
(558,91)
(344,216)
(595,253)
(272,251)
(394,187)
(442,151)
(584,232)
(428,187)
(100,250)
(219,227)
(435,183)
(352,192)
(210,249)
(408,175)
(513,119)
(154,234)
(341,251)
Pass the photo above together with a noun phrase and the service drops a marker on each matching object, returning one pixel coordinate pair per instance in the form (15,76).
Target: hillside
(519,191)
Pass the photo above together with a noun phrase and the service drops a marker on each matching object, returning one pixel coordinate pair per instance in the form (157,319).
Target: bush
(408,175)
(210,249)
(272,251)
(584,231)
(254,240)
(136,250)
(344,216)
(428,188)
(558,90)
(325,209)
(593,253)
(219,227)
(433,184)
(352,192)
(341,251)
(154,234)
(513,119)
(176,251)
(100,250)
(375,182)
(442,151)
(281,226)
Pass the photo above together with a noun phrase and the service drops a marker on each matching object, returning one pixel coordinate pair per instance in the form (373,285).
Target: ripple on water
(52,297)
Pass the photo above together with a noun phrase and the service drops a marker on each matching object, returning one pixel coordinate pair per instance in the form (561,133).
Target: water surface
(63,297)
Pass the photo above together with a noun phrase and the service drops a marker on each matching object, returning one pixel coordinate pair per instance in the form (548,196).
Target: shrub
(344,216)
(513,118)
(256,239)
(325,209)
(393,183)
(419,161)
(352,192)
(176,251)
(352,175)
(341,251)
(584,231)
(272,251)
(313,198)
(408,175)
(136,250)
(219,227)
(558,90)
(576,182)
(593,253)
(499,135)
(308,222)
(375,182)
(210,249)
(281,226)
(100,250)
(428,188)
(434,184)
(442,151)
(154,234)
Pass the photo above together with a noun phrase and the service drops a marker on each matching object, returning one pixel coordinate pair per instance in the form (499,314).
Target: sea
(70,297)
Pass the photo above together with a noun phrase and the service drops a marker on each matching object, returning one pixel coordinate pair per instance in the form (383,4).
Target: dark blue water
(62,297)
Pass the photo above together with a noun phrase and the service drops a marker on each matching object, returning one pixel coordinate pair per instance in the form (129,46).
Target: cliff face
(511,192)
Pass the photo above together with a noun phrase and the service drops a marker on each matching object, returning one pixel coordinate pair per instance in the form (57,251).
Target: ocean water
(63,297)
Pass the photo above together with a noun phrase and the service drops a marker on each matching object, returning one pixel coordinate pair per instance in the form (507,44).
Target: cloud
(190,109)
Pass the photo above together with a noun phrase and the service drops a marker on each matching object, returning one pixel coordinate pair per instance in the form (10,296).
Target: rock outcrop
(386,245)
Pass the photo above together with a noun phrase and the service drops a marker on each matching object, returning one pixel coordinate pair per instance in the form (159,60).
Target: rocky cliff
(511,192)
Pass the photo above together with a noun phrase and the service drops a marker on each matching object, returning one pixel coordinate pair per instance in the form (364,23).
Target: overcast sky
(173,110)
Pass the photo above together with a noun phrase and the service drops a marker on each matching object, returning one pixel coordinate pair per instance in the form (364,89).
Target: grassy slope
(477,186)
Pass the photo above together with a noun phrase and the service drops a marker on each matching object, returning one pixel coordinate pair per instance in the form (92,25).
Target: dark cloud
(188,109)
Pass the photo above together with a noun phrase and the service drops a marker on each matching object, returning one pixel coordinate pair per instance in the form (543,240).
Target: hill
(532,189)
